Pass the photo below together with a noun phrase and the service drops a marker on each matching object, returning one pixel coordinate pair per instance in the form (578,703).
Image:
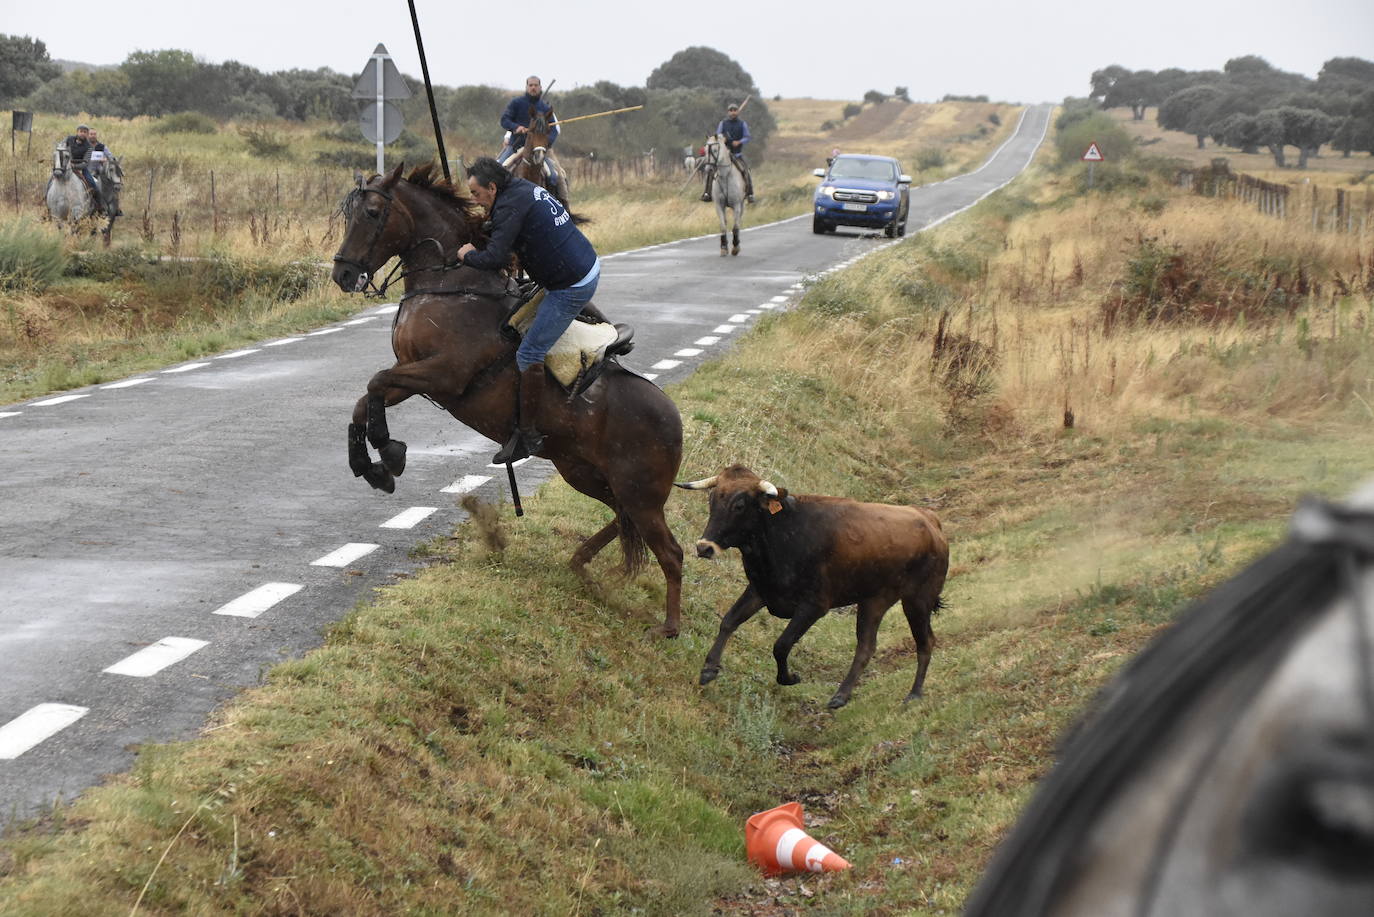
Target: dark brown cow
(806,554)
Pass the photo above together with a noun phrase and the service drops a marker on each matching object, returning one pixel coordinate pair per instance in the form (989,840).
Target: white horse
(70,200)
(727,189)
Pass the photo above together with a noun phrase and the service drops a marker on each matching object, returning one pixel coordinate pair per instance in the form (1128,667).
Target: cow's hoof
(914,695)
(393,456)
(709,675)
(838,701)
(380,478)
(661,630)
(789,680)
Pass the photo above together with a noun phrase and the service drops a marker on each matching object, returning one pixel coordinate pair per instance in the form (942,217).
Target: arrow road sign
(1093,154)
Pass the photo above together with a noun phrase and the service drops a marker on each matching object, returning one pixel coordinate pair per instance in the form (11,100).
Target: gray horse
(70,201)
(727,190)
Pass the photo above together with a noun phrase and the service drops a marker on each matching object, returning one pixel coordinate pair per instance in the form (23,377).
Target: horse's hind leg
(653,528)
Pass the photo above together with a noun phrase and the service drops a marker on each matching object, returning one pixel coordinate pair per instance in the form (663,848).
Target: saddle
(581,354)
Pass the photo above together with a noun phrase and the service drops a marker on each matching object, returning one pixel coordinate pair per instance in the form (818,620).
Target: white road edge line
(410,518)
(342,557)
(34,725)
(688,352)
(282,341)
(185,369)
(667,364)
(129,383)
(62,399)
(707,341)
(238,353)
(723,329)
(252,604)
(10,413)
(466,483)
(153,659)
(362,321)
(311,334)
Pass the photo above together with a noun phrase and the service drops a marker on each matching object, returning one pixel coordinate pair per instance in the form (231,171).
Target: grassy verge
(494,736)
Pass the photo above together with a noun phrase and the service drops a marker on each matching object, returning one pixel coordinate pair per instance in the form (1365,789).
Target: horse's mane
(423,176)
(1235,636)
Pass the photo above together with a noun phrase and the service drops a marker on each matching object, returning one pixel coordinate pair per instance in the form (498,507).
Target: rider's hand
(522,129)
(467,247)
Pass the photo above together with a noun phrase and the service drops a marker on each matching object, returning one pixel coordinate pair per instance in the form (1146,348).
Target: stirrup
(518,447)
(706,196)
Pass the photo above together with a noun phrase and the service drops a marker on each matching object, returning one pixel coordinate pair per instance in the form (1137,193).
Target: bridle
(398,272)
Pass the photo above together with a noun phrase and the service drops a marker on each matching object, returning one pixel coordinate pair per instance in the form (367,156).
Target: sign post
(21,121)
(380,121)
(1092,156)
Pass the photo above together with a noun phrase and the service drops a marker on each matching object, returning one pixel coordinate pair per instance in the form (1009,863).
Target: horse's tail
(578,219)
(631,544)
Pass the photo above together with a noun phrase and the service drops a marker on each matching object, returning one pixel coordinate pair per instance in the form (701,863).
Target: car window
(874,169)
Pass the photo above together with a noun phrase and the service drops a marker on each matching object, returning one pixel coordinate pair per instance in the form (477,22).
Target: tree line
(1249,104)
(684,98)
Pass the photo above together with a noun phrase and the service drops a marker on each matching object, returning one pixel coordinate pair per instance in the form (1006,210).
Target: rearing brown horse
(620,442)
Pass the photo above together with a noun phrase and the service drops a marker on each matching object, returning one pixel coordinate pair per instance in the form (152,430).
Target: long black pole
(429,91)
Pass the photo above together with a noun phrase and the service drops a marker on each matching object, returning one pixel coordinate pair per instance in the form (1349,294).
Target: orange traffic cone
(775,842)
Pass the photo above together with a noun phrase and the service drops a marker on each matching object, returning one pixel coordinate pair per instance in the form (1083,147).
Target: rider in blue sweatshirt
(529,221)
(516,120)
(735,130)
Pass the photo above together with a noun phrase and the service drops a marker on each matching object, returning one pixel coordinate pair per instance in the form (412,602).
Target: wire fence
(1325,209)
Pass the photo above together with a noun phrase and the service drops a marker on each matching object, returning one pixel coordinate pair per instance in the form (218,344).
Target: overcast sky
(1014,50)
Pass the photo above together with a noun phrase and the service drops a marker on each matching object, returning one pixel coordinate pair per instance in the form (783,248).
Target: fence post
(16,190)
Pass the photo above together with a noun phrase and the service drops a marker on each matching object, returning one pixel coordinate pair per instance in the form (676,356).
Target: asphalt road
(165,539)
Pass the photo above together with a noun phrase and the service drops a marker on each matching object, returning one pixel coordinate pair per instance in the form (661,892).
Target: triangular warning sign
(1093,154)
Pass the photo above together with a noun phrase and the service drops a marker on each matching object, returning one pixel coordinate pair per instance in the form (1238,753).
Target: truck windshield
(863,168)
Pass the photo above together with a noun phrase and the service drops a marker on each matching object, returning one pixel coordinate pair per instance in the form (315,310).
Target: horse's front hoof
(734,251)
(393,456)
(838,701)
(914,695)
(380,478)
(661,630)
(708,676)
(789,680)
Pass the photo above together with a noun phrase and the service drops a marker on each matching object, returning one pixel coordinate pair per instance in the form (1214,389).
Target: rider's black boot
(526,440)
(748,187)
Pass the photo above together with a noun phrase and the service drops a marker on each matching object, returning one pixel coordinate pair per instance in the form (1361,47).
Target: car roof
(865,156)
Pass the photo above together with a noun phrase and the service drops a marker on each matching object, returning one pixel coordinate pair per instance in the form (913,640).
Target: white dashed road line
(738,317)
(312,334)
(362,321)
(342,557)
(10,413)
(387,310)
(153,659)
(723,329)
(282,341)
(129,383)
(466,483)
(778,299)
(185,369)
(650,376)
(666,364)
(62,399)
(252,604)
(706,341)
(34,725)
(688,352)
(410,518)
(238,353)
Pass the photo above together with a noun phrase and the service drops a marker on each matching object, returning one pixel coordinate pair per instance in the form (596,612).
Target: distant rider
(99,155)
(520,111)
(79,146)
(528,220)
(736,133)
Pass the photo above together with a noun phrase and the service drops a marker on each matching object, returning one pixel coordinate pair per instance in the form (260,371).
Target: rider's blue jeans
(555,314)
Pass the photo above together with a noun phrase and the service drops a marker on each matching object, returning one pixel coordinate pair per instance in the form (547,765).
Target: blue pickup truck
(857,190)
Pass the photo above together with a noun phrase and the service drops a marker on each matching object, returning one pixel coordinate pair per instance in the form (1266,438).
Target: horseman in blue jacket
(529,221)
(735,130)
(516,120)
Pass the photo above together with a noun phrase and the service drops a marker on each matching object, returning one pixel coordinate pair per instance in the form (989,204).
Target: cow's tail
(939,603)
(631,544)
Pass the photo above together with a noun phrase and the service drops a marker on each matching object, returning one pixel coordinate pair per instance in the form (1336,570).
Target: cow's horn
(703,484)
(768,488)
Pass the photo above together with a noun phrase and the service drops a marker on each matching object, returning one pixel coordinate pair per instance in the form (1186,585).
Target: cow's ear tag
(774,506)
